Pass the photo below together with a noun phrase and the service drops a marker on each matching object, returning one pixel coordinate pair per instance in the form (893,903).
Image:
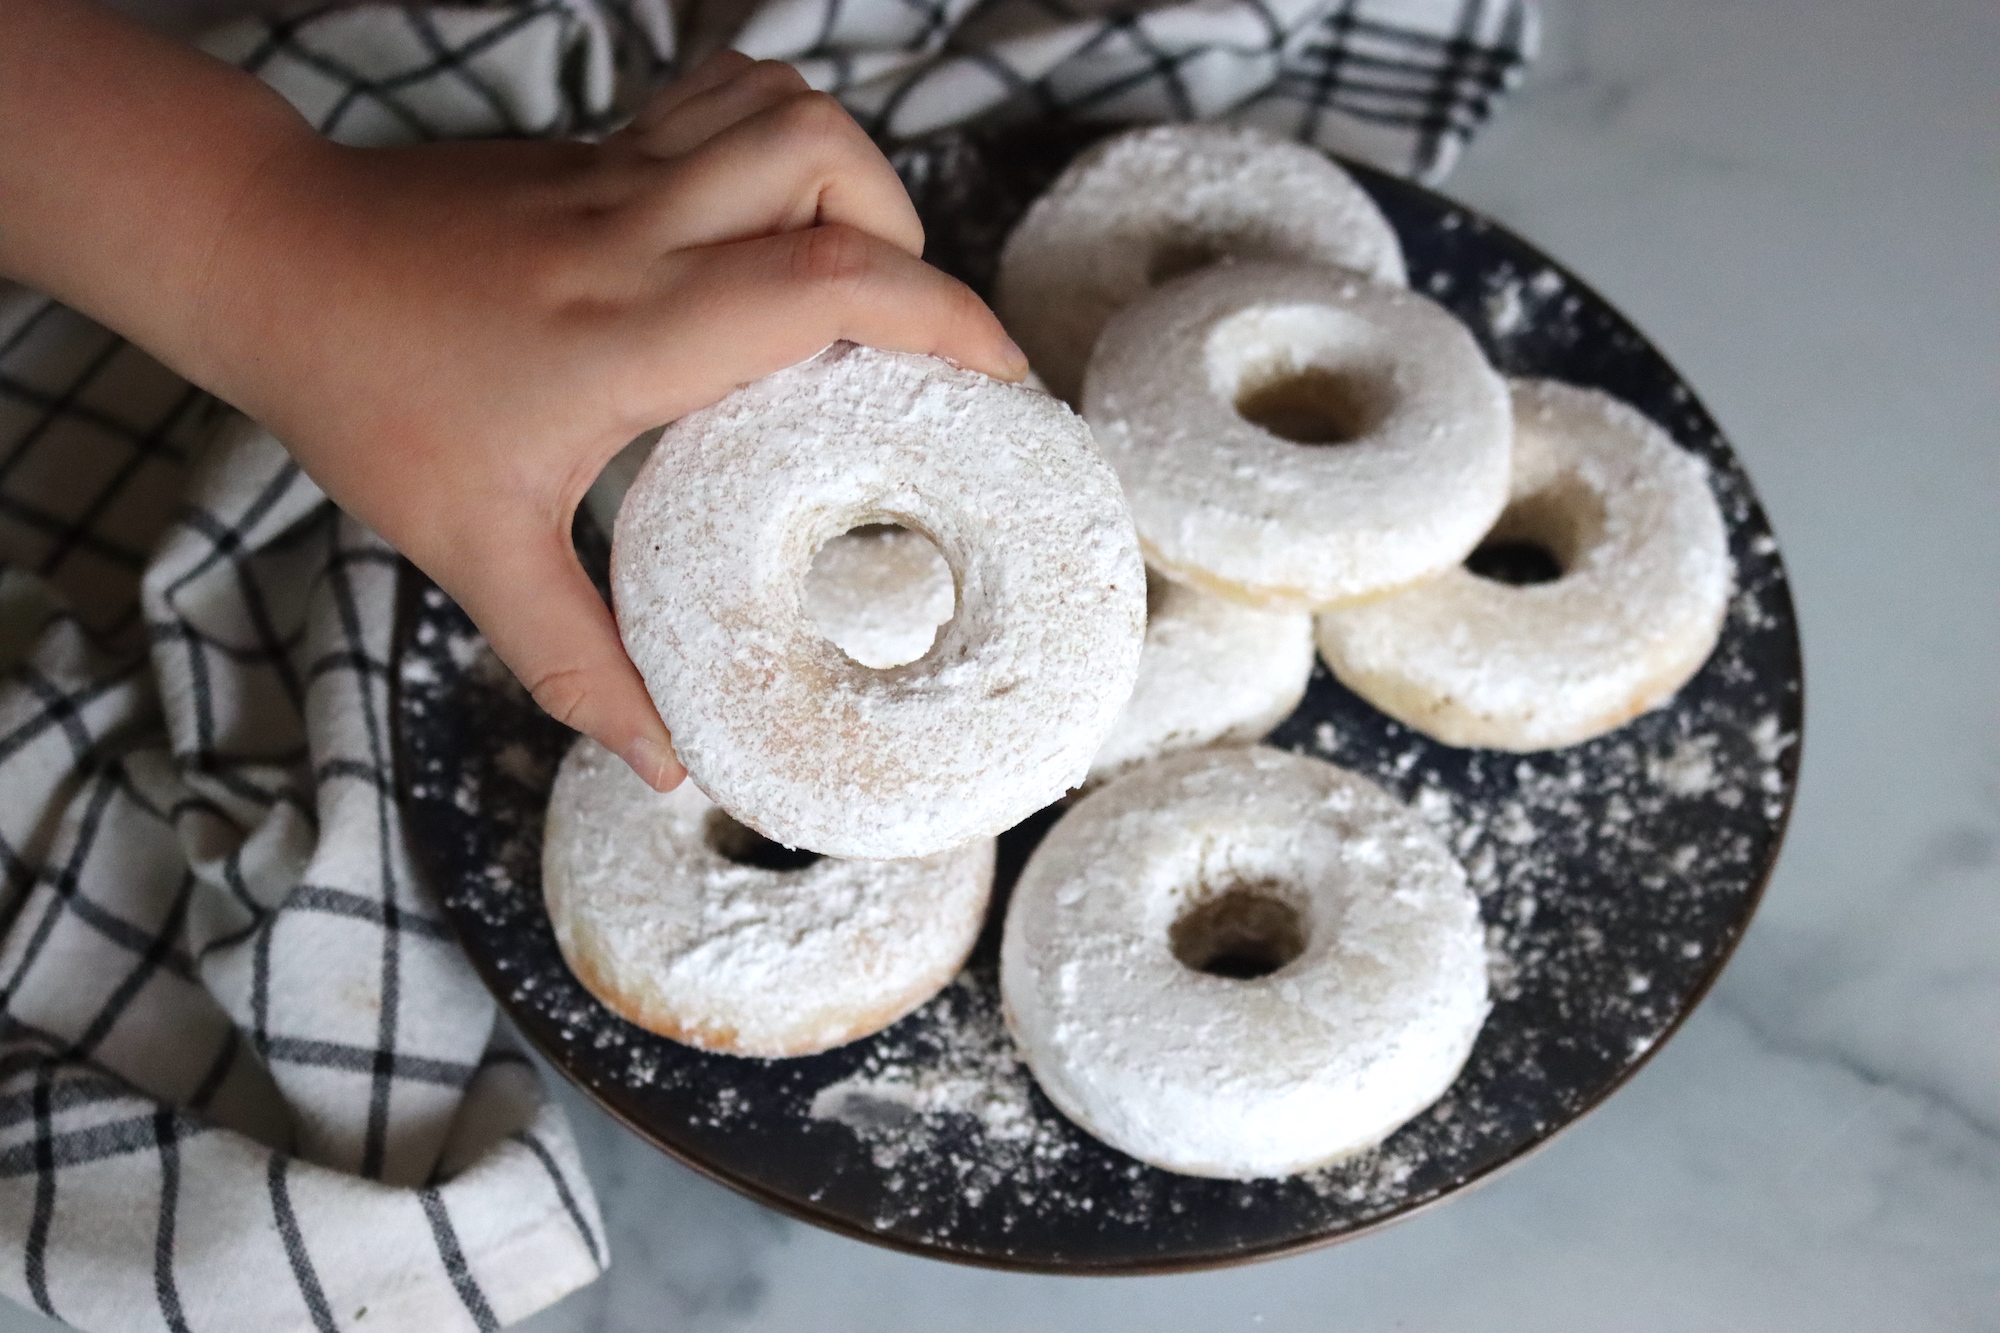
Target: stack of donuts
(889,607)
(1519,566)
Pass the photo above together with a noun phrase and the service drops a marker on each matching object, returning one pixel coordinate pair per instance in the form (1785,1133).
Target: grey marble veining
(1799,202)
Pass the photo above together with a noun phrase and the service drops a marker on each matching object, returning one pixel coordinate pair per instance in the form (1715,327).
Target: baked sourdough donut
(1136,968)
(1299,437)
(1154,203)
(1214,672)
(784,730)
(1641,583)
(659,918)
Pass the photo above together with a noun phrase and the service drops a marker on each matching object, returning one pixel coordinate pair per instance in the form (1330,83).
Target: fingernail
(655,764)
(1020,357)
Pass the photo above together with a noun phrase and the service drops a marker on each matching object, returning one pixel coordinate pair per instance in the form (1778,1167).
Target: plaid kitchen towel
(1399,83)
(247,1080)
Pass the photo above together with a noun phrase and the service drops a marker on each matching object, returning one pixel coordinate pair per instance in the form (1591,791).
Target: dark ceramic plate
(1615,877)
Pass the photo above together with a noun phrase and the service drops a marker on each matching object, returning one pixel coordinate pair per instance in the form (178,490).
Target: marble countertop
(1797,200)
(1798,203)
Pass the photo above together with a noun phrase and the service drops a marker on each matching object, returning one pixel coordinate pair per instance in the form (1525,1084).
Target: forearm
(453,338)
(123,155)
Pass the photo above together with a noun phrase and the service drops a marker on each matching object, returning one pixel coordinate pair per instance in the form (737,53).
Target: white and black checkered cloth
(247,1081)
(1400,83)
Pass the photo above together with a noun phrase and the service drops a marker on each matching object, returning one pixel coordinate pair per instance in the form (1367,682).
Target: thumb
(533,602)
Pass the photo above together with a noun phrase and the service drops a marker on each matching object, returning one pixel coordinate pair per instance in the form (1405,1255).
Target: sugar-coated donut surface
(1215,672)
(1152,203)
(879,593)
(1419,476)
(678,938)
(791,735)
(1214,1076)
(1645,583)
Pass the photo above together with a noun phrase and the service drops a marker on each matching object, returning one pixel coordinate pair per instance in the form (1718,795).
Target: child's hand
(454,338)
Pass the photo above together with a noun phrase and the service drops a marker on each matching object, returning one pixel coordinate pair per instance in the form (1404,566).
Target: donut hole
(1177,257)
(1308,373)
(1242,933)
(1315,405)
(880,592)
(738,843)
(1540,537)
(1158,589)
(1519,564)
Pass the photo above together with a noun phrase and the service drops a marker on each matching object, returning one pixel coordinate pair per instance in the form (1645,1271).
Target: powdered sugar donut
(1154,203)
(1638,583)
(668,911)
(1215,672)
(794,737)
(1299,437)
(1242,963)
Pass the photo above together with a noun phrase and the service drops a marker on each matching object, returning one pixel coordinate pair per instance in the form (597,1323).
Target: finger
(718,69)
(697,119)
(543,618)
(800,163)
(785,297)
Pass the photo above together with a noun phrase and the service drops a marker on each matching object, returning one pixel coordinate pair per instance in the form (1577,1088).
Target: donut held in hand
(784,730)
(1634,586)
(1299,437)
(1242,963)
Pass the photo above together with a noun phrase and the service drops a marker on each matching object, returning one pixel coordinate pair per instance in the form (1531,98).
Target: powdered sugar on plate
(921,1097)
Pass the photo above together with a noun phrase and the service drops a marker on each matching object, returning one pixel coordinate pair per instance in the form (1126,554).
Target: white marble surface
(1800,202)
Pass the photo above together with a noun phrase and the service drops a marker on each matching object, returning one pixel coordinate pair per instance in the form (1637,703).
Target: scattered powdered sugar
(896,1093)
(1515,304)
(1689,769)
(1505,313)
(1588,817)
(947,1107)
(951,1119)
